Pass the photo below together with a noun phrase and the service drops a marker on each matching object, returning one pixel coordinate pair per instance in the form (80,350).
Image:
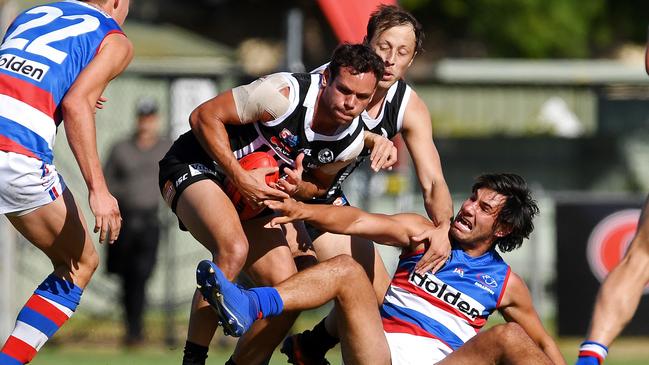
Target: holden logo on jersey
(448,294)
(288,137)
(609,241)
(325,155)
(28,68)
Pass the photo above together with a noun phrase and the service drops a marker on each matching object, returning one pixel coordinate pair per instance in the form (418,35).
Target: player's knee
(510,334)
(85,267)
(344,267)
(232,255)
(91,262)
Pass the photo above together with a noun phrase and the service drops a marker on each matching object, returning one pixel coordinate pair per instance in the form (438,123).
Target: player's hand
(288,210)
(108,220)
(291,185)
(100,103)
(254,189)
(383,152)
(439,248)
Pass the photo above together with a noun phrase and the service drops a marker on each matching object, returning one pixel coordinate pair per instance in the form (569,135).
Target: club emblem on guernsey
(288,137)
(325,156)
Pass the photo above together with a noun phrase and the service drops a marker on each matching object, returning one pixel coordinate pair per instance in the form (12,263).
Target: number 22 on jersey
(41,44)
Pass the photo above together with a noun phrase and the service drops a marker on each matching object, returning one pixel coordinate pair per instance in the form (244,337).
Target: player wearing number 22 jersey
(55,61)
(42,54)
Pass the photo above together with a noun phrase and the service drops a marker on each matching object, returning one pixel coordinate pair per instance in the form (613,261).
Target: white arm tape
(261,95)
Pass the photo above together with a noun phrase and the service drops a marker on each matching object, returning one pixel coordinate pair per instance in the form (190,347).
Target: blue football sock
(270,303)
(591,353)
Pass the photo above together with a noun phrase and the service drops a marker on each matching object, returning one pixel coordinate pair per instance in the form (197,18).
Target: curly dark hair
(518,210)
(388,16)
(359,57)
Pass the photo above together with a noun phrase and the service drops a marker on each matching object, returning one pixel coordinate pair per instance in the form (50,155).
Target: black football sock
(194,354)
(318,340)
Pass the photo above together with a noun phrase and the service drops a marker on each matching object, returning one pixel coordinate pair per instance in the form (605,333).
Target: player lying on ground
(424,317)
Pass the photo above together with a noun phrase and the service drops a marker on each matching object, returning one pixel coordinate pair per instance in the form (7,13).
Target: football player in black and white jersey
(397,37)
(304,120)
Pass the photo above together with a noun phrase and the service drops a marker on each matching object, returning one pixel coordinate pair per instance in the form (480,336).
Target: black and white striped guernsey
(288,135)
(388,124)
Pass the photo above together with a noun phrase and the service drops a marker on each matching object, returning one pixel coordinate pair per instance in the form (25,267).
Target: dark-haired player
(308,120)
(55,61)
(425,318)
(396,36)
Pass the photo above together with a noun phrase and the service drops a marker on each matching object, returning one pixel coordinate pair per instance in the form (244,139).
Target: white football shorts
(27,183)
(407,349)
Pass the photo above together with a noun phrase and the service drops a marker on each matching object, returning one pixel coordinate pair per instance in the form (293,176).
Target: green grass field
(96,341)
(624,352)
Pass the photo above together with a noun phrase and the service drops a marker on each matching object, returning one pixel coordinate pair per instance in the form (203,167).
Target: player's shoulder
(118,40)
(516,286)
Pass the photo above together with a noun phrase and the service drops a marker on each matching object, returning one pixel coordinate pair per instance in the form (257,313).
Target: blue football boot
(236,308)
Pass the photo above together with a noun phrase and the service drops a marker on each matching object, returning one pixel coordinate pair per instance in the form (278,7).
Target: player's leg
(312,345)
(270,262)
(59,230)
(502,344)
(627,280)
(358,321)
(329,245)
(220,231)
(340,279)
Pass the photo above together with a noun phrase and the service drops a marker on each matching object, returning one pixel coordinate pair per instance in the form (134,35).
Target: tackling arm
(393,230)
(418,134)
(516,306)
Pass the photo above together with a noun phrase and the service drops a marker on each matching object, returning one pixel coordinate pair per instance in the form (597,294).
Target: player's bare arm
(208,125)
(517,306)
(392,230)
(417,133)
(78,112)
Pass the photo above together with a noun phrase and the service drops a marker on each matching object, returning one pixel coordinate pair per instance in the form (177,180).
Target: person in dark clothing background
(131,172)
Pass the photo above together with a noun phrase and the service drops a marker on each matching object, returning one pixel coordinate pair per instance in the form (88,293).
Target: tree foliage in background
(530,28)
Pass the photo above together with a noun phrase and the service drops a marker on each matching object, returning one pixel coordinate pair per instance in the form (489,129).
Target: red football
(251,161)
